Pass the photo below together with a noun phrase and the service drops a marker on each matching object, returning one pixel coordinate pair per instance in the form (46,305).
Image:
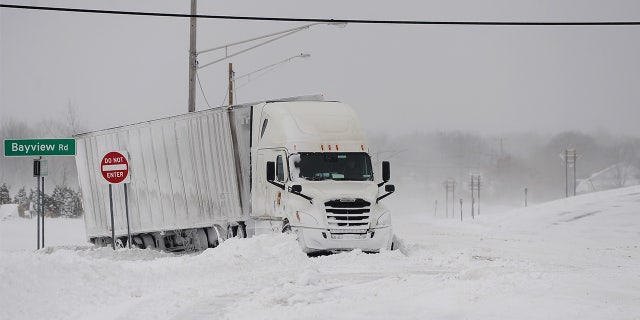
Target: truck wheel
(241,231)
(200,240)
(230,233)
(148,242)
(136,242)
(286,227)
(214,236)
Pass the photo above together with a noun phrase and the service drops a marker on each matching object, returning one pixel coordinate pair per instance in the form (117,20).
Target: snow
(575,258)
(615,176)
(9,211)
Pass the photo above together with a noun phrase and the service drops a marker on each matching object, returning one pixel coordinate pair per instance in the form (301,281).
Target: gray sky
(123,69)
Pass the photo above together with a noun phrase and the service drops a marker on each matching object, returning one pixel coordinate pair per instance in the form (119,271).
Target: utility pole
(575,157)
(478,195)
(231,75)
(435,210)
(566,173)
(450,188)
(475,189)
(192,58)
(570,158)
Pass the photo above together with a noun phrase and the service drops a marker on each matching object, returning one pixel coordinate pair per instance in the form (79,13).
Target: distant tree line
(63,202)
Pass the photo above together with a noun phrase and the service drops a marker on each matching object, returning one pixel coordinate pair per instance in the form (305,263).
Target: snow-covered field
(569,259)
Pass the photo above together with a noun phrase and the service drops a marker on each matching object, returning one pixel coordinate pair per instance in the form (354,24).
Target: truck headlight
(384,220)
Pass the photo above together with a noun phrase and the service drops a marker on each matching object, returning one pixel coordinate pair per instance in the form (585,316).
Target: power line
(353,21)
(204,95)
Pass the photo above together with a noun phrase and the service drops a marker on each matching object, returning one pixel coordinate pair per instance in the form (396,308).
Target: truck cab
(312,172)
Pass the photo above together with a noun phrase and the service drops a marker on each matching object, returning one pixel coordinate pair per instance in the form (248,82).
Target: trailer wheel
(120,243)
(230,232)
(241,231)
(214,236)
(148,242)
(200,240)
(137,242)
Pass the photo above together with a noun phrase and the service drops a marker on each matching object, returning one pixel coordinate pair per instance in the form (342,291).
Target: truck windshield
(315,166)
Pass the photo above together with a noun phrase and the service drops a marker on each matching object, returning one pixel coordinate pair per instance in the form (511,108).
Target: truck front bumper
(314,240)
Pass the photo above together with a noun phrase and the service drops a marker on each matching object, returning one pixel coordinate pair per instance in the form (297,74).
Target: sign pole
(113,229)
(473,200)
(43,212)
(126,208)
(114,167)
(478,195)
(566,173)
(38,208)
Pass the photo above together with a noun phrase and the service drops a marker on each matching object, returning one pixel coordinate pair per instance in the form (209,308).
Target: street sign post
(114,168)
(39,147)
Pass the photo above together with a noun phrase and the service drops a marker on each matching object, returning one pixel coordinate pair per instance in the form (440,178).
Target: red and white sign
(115,167)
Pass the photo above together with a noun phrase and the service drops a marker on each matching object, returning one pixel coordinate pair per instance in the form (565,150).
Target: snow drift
(573,258)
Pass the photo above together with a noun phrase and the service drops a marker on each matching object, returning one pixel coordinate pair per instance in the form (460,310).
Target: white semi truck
(298,165)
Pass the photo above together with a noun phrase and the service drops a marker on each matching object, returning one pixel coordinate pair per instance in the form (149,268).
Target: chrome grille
(348,215)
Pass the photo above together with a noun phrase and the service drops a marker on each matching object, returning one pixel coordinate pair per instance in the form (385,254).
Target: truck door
(269,200)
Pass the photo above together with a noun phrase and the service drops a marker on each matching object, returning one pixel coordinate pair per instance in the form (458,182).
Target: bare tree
(73,122)
(625,154)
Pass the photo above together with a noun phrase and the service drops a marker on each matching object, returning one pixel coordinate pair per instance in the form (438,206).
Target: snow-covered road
(569,259)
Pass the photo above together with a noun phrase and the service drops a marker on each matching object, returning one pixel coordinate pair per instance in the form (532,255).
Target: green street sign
(39,147)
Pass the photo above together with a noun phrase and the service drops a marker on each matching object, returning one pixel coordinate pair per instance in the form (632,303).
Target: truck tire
(214,236)
(230,232)
(136,242)
(148,242)
(241,231)
(286,227)
(200,240)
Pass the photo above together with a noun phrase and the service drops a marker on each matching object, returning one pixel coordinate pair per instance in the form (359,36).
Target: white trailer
(292,165)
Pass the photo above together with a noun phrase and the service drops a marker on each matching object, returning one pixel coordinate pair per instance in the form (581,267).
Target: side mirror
(297,190)
(271,170)
(386,171)
(389,189)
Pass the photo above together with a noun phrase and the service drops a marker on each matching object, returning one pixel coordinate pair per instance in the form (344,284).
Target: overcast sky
(486,79)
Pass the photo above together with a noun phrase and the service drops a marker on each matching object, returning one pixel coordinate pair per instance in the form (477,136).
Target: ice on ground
(574,258)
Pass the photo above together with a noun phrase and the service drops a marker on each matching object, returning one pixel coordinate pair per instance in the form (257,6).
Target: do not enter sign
(115,167)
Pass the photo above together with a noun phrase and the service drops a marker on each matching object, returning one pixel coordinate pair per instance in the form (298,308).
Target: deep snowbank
(20,234)
(9,212)
(569,259)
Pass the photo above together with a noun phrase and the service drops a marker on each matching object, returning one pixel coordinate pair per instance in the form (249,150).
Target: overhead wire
(322,20)
(202,90)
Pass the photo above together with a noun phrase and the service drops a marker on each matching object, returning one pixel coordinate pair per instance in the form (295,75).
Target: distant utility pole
(450,189)
(192,58)
(435,210)
(475,190)
(570,157)
(231,75)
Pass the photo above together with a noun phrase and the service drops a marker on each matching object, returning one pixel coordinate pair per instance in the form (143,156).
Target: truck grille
(348,215)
